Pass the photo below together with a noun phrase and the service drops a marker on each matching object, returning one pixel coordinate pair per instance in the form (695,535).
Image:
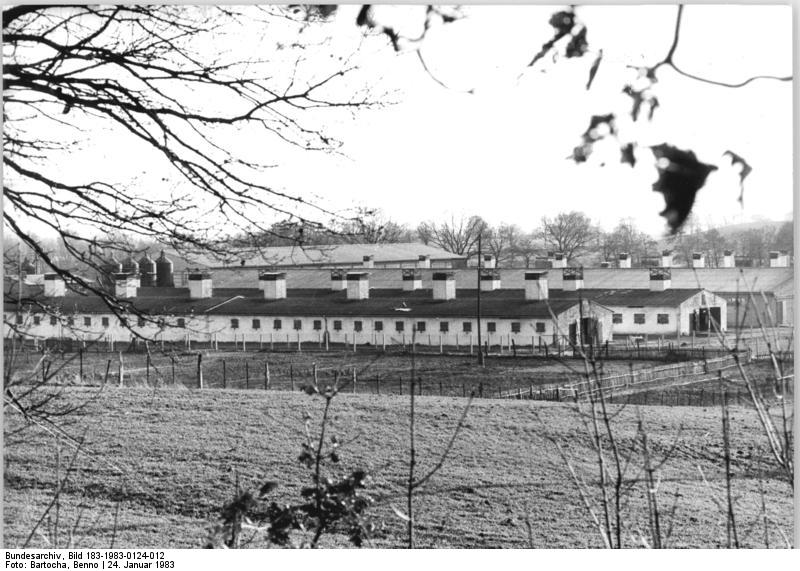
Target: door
(573,334)
(702,319)
(589,331)
(716,317)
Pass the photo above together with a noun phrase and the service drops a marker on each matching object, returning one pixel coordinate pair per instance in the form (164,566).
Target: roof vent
(444,285)
(660,279)
(369,261)
(559,260)
(728,259)
(536,286)
(338,280)
(273,285)
(666,259)
(624,260)
(572,279)
(490,280)
(54,286)
(779,259)
(125,285)
(357,285)
(489,261)
(412,280)
(199,285)
(698,260)
(424,261)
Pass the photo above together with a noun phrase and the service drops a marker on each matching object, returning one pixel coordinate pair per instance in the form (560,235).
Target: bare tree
(503,242)
(459,236)
(149,73)
(568,232)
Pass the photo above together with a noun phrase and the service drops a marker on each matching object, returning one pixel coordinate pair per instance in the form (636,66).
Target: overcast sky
(502,150)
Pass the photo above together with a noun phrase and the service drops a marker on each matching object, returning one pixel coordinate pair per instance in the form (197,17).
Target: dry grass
(167,459)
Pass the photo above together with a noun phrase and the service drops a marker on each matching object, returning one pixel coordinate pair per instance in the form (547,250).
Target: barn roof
(316,303)
(328,255)
(723,280)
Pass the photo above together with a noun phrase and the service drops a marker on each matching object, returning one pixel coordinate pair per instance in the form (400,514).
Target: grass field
(158,463)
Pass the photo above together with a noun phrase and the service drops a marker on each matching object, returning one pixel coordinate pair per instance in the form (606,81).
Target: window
(276,324)
(337,325)
(358,325)
(540,327)
(444,326)
(297,325)
(182,323)
(19,319)
(399,326)
(87,321)
(491,327)
(37,320)
(421,326)
(53,320)
(379,326)
(466,327)
(317,325)
(638,318)
(140,322)
(515,327)
(104,321)
(662,318)
(256,324)
(616,318)
(234,323)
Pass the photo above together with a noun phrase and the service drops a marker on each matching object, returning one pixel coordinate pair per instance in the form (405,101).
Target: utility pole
(481,361)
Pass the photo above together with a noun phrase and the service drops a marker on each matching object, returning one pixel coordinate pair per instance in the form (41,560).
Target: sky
(501,151)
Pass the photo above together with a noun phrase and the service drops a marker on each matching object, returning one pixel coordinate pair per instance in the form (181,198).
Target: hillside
(168,459)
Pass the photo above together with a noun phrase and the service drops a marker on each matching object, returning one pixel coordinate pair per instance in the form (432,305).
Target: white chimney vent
(728,259)
(199,285)
(54,286)
(666,259)
(369,261)
(273,285)
(490,280)
(624,260)
(605,264)
(125,285)
(572,279)
(779,259)
(489,261)
(559,260)
(424,261)
(536,286)
(357,285)
(338,280)
(444,285)
(412,280)
(698,260)
(660,279)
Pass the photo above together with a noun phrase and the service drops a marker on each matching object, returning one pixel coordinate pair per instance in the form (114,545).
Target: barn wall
(650,325)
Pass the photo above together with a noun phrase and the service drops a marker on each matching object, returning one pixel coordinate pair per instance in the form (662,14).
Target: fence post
(314,372)
(514,347)
(291,375)
(470,344)
(378,383)
(80,355)
(354,380)
(400,378)
(199,370)
(480,389)
(299,343)
(441,345)
(147,366)
(224,375)
(463,390)
(266,375)
(172,359)
(121,370)
(441,393)
(354,342)
(246,374)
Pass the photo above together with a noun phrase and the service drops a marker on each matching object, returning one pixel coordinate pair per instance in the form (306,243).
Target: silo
(130,266)
(164,271)
(147,271)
